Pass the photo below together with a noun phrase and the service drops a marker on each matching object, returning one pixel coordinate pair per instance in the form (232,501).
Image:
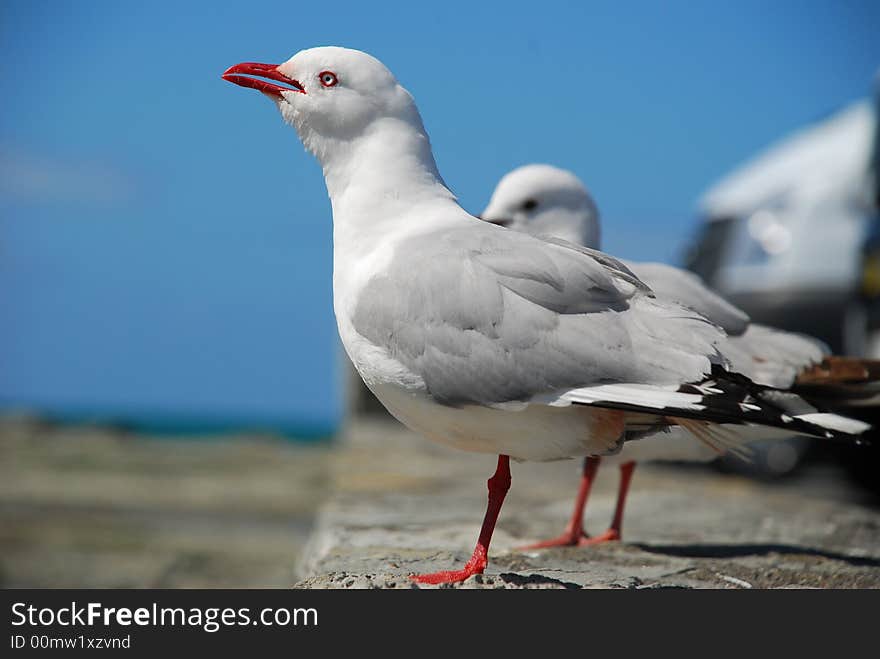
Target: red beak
(269,71)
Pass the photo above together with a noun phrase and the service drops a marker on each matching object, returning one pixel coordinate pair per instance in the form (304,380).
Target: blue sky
(165,242)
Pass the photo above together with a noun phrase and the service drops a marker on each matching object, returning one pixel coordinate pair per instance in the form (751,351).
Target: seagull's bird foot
(567,539)
(570,540)
(574,535)
(474,566)
(611,535)
(498,486)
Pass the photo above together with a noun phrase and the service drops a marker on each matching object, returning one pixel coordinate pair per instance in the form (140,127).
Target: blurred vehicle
(793,238)
(866,310)
(782,235)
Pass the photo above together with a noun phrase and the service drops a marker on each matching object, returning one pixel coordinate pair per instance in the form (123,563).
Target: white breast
(534,432)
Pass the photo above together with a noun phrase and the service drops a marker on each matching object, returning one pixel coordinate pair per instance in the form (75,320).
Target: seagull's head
(545,200)
(329,94)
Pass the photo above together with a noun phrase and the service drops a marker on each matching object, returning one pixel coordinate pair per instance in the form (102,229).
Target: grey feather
(688,289)
(484,315)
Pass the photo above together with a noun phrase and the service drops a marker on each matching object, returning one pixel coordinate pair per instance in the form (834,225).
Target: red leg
(574,532)
(614,532)
(498,486)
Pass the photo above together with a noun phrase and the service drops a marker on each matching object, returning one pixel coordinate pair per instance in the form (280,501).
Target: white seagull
(543,200)
(486,339)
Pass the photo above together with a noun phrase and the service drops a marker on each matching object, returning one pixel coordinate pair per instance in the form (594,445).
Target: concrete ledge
(401,505)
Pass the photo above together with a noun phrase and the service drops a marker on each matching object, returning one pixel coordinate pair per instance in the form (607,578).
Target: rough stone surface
(97,507)
(401,505)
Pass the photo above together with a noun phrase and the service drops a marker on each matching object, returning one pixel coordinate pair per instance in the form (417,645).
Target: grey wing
(606,260)
(488,316)
(688,289)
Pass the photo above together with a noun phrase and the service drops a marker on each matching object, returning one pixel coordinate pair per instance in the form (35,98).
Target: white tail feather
(835,422)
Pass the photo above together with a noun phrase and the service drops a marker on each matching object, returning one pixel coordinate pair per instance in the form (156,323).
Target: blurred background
(170,374)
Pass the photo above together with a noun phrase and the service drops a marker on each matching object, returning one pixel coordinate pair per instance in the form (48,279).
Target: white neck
(387,169)
(574,226)
(383,186)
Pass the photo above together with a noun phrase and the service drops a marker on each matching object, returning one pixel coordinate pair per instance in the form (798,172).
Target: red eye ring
(328,78)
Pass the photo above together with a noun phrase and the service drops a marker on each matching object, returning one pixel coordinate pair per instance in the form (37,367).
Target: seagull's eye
(328,78)
(529,204)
